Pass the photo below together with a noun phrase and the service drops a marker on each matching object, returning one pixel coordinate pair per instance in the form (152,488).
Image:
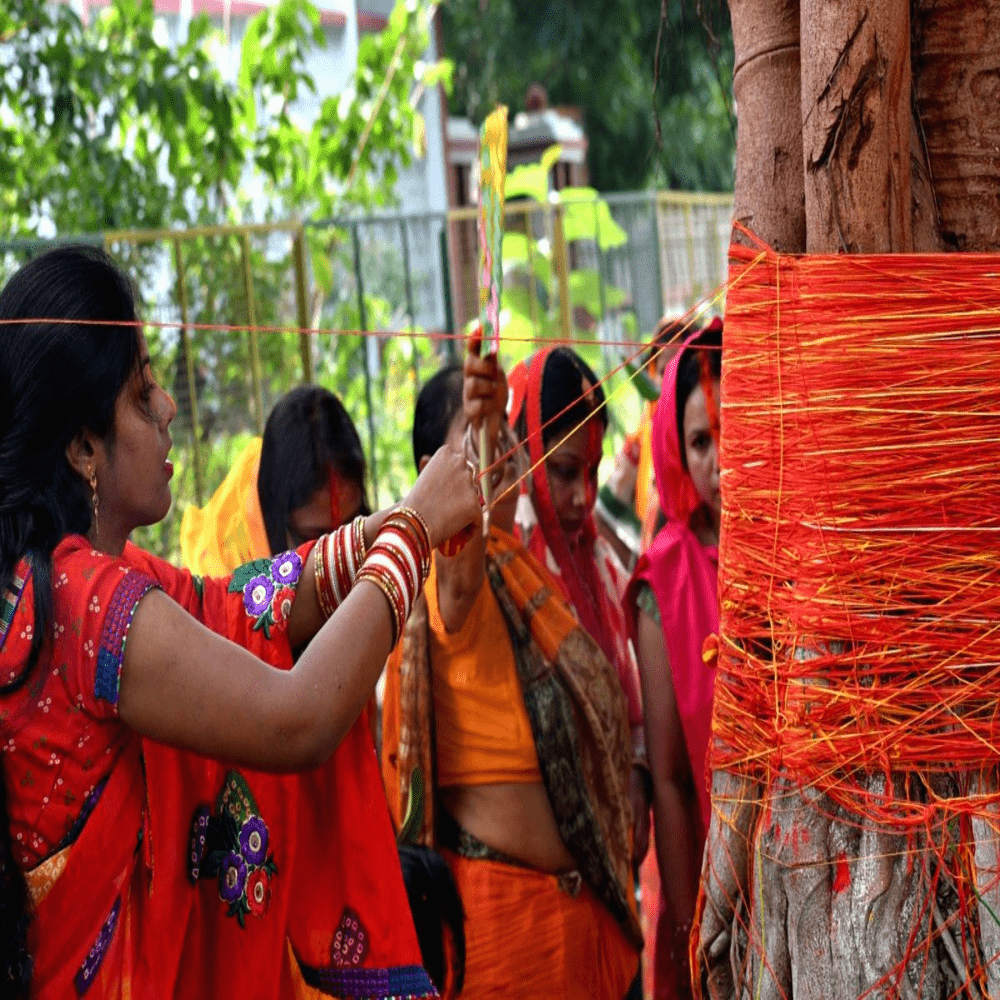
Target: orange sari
(529,933)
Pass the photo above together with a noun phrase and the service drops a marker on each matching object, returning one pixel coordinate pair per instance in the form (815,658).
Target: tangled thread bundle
(859,655)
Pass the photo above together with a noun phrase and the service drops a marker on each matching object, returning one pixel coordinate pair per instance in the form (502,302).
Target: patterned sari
(579,724)
(181,876)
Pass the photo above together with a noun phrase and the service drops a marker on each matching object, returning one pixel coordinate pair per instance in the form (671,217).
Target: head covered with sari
(553,395)
(682,572)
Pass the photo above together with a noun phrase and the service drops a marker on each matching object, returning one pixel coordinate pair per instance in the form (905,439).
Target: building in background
(422,186)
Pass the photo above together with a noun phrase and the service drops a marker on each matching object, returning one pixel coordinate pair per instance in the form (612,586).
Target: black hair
(667,332)
(308,433)
(434,905)
(571,394)
(437,405)
(689,372)
(56,380)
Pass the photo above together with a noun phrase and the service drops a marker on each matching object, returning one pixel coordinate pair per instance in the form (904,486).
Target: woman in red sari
(109,884)
(674,608)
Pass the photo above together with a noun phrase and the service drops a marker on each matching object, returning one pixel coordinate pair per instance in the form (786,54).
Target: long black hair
(437,406)
(308,433)
(56,380)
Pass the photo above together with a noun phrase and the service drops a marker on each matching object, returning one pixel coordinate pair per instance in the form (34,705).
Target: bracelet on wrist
(338,558)
(399,562)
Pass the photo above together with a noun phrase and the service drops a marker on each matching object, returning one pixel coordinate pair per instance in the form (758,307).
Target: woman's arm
(674,800)
(306,617)
(184,685)
(459,581)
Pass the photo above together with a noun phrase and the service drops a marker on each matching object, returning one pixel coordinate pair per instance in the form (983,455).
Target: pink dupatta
(683,574)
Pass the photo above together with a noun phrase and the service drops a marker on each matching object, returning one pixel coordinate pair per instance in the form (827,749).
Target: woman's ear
(82,455)
(423,463)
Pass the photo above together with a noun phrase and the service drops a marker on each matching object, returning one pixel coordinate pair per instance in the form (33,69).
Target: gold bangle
(360,546)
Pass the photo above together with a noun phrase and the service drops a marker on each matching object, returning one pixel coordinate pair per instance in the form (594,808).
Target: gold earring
(95,500)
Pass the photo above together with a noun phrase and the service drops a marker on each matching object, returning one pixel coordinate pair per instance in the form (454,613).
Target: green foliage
(599,55)
(110,126)
(529,303)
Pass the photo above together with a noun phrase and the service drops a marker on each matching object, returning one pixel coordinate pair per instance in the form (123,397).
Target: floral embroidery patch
(232,846)
(268,587)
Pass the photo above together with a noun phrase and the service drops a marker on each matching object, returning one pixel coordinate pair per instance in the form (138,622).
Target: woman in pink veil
(673,608)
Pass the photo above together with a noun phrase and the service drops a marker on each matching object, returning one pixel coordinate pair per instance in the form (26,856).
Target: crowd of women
(195,767)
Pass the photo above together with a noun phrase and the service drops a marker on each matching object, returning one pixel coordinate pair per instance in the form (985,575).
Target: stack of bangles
(397,563)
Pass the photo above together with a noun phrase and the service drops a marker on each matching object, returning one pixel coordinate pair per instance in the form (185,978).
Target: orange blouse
(482,729)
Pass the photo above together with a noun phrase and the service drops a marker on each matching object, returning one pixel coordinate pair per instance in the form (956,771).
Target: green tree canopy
(107,125)
(600,55)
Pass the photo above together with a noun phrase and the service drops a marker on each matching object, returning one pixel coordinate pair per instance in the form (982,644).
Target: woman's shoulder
(80,569)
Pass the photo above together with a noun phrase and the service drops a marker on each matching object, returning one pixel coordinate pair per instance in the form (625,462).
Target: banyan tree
(868,127)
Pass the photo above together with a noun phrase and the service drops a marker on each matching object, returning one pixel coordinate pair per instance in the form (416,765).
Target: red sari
(182,877)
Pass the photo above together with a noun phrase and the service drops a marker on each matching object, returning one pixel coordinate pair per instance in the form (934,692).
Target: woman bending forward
(111,885)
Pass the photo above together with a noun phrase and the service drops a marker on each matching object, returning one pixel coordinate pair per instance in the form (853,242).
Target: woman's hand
(484,392)
(447,496)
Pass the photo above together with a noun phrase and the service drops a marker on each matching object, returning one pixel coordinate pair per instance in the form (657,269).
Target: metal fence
(226,307)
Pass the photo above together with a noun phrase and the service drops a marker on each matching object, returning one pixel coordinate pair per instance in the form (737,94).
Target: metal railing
(227,308)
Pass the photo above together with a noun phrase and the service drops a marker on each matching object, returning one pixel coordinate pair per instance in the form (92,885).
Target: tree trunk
(856,126)
(769,197)
(956,85)
(900,151)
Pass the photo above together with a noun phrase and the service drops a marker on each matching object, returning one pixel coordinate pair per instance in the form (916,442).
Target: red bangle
(323,593)
(339,556)
(399,562)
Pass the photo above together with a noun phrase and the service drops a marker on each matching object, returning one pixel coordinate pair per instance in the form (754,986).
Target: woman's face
(700,448)
(572,471)
(327,509)
(133,470)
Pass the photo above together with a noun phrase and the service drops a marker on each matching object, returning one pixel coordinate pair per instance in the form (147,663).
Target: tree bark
(956,84)
(769,195)
(856,126)
(899,151)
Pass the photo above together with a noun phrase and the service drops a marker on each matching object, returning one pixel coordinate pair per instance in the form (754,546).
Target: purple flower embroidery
(253,841)
(257,595)
(286,568)
(232,877)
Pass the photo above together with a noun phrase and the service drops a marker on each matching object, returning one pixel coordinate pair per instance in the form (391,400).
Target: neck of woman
(705,525)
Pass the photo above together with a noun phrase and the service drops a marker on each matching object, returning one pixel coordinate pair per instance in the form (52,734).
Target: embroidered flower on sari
(232,846)
(259,892)
(281,606)
(253,841)
(196,847)
(268,589)
(257,595)
(286,568)
(232,877)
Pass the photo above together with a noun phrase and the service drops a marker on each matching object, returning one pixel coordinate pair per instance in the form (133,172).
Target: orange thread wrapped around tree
(857,703)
